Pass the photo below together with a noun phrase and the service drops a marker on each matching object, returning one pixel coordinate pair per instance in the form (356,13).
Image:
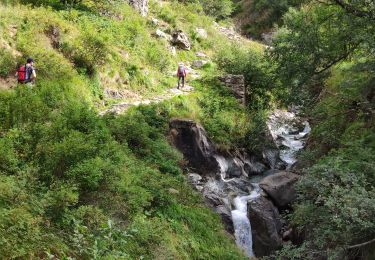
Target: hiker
(26,73)
(181,74)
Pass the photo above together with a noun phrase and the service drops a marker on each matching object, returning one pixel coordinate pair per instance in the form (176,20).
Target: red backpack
(22,72)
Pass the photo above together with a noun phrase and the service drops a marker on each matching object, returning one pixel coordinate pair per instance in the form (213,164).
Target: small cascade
(241,222)
(223,164)
(227,182)
(285,128)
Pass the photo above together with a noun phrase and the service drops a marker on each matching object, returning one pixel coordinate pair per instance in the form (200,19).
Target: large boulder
(180,39)
(265,226)
(191,139)
(140,5)
(280,187)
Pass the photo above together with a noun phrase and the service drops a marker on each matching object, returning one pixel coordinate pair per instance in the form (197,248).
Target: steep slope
(76,184)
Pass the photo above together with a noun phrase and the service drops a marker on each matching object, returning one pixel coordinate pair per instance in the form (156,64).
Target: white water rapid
(241,223)
(285,129)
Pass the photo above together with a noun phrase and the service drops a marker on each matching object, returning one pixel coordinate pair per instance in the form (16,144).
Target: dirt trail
(121,107)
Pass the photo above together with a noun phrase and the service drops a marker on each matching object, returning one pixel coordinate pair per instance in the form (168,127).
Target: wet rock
(235,168)
(226,217)
(194,178)
(201,33)
(180,39)
(191,139)
(236,83)
(265,226)
(197,64)
(140,5)
(280,187)
(271,156)
(254,168)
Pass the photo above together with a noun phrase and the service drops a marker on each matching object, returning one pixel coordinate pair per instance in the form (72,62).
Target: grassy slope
(78,185)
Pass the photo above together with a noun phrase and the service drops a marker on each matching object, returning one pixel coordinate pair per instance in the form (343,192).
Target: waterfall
(241,222)
(223,164)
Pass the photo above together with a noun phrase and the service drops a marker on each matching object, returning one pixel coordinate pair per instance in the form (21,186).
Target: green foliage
(219,9)
(261,16)
(336,203)
(314,39)
(260,79)
(7,63)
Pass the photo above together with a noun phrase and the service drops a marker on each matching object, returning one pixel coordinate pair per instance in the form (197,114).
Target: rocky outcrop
(180,39)
(140,5)
(191,139)
(265,226)
(280,187)
(236,83)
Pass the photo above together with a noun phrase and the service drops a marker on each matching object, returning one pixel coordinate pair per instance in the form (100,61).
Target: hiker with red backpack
(181,74)
(26,73)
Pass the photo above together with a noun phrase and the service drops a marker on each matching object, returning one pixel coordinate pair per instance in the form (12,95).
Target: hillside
(75,184)
(267,147)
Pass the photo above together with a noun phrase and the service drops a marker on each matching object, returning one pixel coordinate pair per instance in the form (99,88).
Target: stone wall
(236,83)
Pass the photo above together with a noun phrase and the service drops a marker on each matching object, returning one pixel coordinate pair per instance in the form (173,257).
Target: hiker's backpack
(181,70)
(22,73)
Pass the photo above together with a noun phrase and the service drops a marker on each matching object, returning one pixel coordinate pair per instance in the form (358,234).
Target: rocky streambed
(248,191)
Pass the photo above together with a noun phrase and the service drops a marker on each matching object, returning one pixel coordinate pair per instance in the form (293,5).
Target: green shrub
(7,63)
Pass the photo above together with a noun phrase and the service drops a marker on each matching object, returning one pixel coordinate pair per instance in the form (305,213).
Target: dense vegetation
(75,184)
(79,185)
(325,54)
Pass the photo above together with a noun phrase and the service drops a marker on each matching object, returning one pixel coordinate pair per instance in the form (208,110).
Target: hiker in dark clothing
(181,74)
(26,73)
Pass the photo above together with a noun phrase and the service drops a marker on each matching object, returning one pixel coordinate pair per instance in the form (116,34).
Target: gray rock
(201,55)
(140,5)
(226,217)
(180,39)
(235,169)
(254,168)
(280,187)
(236,83)
(271,156)
(194,178)
(173,50)
(265,226)
(160,34)
(191,139)
(197,64)
(154,21)
(201,33)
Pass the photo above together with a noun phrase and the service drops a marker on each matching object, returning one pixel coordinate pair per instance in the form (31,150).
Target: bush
(7,62)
